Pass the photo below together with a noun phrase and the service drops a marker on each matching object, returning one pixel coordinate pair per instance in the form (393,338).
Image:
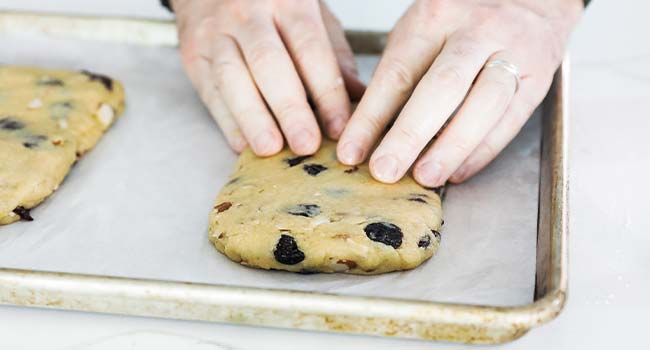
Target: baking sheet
(137,205)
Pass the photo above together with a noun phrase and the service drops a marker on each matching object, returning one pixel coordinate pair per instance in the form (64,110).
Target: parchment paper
(137,205)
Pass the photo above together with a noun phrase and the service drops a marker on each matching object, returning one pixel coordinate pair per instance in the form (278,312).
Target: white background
(609,284)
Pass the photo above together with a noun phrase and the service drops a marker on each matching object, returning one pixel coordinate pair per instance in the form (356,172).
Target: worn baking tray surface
(137,205)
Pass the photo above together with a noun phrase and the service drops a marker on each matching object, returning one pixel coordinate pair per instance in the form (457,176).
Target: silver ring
(509,67)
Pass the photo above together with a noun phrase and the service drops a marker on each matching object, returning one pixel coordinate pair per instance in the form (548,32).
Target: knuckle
(189,52)
(205,26)
(399,77)
(449,76)
(261,52)
(288,109)
(329,94)
(242,11)
(489,149)
(471,43)
(409,138)
(430,8)
(419,31)
(220,71)
(484,17)
(305,49)
(461,148)
(305,38)
(223,62)
(305,22)
(374,124)
(194,41)
(247,114)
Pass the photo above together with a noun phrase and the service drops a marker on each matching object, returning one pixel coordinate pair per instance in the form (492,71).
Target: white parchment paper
(137,205)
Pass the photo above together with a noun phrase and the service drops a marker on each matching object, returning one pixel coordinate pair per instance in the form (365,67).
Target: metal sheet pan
(300,309)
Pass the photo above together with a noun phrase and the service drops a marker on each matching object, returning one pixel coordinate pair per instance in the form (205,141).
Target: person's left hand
(434,63)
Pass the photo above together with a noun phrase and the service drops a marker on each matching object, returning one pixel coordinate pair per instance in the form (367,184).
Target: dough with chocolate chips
(313,214)
(48,119)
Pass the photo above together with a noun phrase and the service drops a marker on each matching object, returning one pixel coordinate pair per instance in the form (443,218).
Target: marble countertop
(609,264)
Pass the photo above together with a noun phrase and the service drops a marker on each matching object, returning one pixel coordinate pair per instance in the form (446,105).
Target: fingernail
(264,143)
(351,154)
(385,168)
(303,142)
(239,143)
(429,174)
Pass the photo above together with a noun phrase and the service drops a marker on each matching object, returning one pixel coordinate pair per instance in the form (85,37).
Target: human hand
(249,60)
(434,63)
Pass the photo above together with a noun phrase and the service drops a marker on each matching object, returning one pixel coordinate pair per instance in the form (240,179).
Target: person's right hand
(249,60)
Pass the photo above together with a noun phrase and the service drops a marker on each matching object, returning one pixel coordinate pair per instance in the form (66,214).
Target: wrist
(176,4)
(564,14)
(569,9)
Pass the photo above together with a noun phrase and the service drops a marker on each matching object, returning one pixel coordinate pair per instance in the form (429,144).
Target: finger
(198,70)
(433,101)
(521,108)
(240,94)
(275,75)
(219,111)
(407,56)
(347,64)
(304,34)
(487,101)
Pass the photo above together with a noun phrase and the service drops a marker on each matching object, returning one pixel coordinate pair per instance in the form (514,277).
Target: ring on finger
(508,67)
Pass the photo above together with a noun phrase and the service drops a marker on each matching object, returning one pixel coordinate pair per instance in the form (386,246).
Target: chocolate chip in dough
(49,81)
(306,210)
(8,123)
(417,199)
(34,141)
(424,242)
(23,213)
(106,81)
(437,235)
(314,169)
(384,232)
(295,160)
(287,252)
(222,206)
(351,170)
(235,180)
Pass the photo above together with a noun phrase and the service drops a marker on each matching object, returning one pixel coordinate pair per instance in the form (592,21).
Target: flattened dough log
(48,119)
(313,214)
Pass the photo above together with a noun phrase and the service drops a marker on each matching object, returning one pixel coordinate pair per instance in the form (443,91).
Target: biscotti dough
(48,119)
(313,214)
